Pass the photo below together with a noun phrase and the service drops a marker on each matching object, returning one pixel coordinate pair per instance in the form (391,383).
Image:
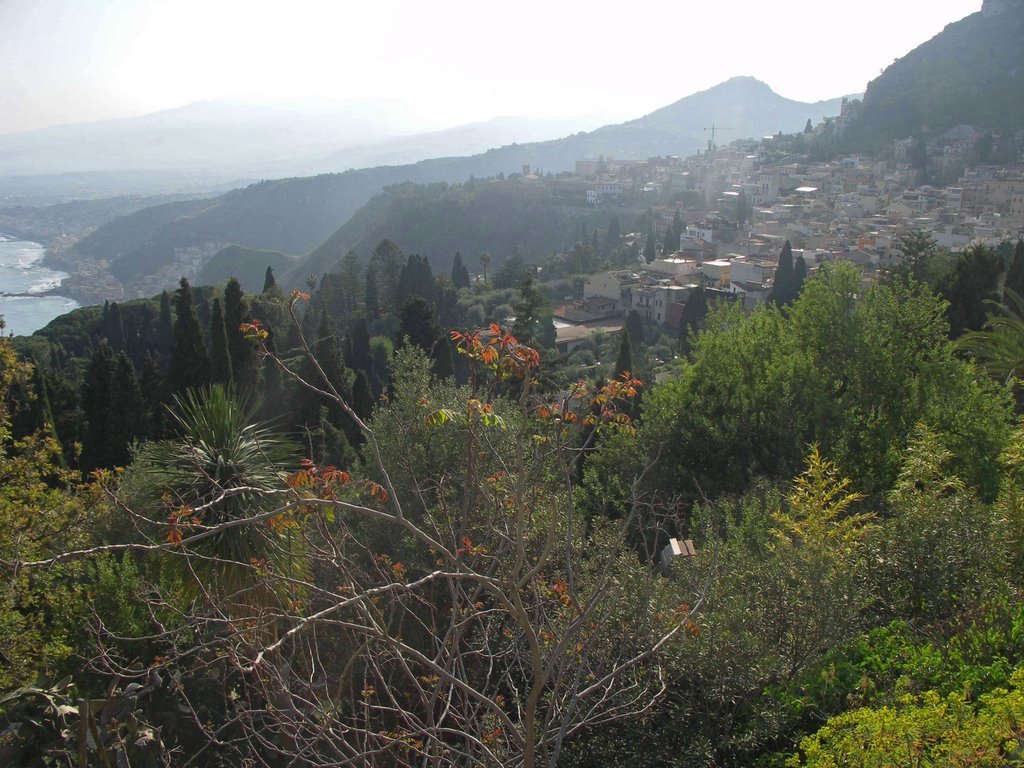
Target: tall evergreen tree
(386,261)
(534,323)
(220,355)
(624,360)
(126,411)
(359,343)
(460,275)
(782,288)
(671,243)
(98,450)
(240,349)
(418,325)
(614,234)
(352,288)
(973,281)
(115,329)
(417,279)
(650,250)
(165,325)
(1015,275)
(190,364)
(371,301)
(269,282)
(635,328)
(799,276)
(694,312)
(362,396)
(154,396)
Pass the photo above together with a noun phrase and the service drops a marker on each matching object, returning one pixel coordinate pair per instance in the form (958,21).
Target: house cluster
(746,200)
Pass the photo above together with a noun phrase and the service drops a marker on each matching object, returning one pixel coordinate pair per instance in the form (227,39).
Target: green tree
(650,251)
(1015,274)
(190,364)
(635,328)
(352,285)
(533,324)
(782,294)
(460,275)
(692,319)
(240,349)
(973,282)
(228,465)
(624,359)
(99,449)
(270,283)
(919,252)
(220,359)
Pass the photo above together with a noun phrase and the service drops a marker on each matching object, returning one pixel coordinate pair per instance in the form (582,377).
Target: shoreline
(42,261)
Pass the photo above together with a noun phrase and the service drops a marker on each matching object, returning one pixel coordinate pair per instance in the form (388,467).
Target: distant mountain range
(972,72)
(296,215)
(217,141)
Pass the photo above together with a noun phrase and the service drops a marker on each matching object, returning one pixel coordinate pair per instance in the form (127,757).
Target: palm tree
(998,347)
(228,469)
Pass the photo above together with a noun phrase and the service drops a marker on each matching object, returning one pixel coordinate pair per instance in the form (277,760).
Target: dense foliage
(346,533)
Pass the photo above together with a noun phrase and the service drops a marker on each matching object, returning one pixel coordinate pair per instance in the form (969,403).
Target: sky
(453,61)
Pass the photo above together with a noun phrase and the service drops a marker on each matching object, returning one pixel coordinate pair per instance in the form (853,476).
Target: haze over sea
(25,302)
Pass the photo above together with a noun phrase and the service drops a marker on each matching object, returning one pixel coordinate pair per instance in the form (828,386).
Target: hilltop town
(748,199)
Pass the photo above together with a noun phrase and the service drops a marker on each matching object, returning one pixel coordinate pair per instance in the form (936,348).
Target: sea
(25,302)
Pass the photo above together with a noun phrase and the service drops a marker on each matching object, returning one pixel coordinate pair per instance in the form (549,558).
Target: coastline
(31,291)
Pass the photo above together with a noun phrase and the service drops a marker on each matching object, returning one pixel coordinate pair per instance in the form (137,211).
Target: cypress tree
(165,326)
(624,360)
(190,364)
(239,348)
(220,359)
(359,339)
(273,387)
(671,244)
(799,276)
(650,251)
(694,312)
(269,283)
(362,397)
(372,300)
(460,275)
(782,288)
(635,328)
(1015,275)
(614,233)
(417,325)
(126,410)
(115,328)
(96,402)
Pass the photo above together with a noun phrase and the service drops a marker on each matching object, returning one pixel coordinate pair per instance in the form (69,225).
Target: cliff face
(972,72)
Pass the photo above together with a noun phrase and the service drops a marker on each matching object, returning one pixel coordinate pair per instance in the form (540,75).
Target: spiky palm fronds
(230,467)
(998,347)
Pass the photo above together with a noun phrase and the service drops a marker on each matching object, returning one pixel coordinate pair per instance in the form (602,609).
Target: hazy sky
(454,60)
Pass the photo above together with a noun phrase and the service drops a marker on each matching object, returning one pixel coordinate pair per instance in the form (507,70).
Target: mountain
(296,215)
(469,139)
(970,73)
(229,137)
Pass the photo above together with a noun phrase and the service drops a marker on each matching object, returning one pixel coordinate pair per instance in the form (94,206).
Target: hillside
(294,216)
(247,265)
(972,72)
(438,220)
